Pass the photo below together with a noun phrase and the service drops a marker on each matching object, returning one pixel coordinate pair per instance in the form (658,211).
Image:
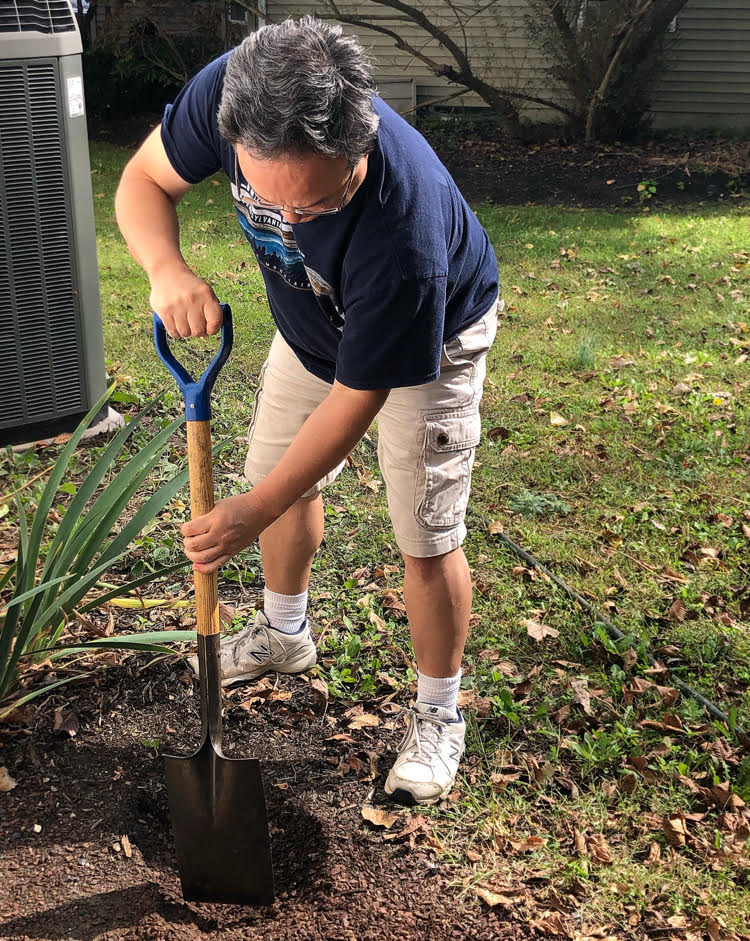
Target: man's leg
(289,546)
(437,593)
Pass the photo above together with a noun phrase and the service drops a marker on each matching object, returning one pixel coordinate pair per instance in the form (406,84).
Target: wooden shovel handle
(201,502)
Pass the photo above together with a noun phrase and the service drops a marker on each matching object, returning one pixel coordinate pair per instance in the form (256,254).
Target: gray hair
(298,88)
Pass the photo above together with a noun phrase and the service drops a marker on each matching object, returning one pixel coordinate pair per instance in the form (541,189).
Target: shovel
(217,804)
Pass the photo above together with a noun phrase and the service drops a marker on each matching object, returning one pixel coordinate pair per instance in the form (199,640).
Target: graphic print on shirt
(273,241)
(327,299)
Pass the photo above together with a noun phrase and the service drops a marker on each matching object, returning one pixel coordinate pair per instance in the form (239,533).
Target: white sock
(285,613)
(438,691)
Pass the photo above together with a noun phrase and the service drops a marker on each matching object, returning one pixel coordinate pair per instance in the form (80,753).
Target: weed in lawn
(585,354)
(527,503)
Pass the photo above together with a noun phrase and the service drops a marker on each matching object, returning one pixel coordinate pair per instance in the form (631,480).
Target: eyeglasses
(259,203)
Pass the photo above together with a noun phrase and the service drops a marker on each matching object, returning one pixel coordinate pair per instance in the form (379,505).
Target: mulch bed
(606,176)
(83,802)
(685,167)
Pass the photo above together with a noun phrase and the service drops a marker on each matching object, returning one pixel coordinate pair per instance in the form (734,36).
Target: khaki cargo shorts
(426,436)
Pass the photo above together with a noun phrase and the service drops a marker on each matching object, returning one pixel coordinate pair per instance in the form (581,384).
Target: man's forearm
(147,218)
(325,439)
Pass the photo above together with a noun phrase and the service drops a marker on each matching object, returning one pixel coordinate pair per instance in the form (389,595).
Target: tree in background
(608,55)
(604,56)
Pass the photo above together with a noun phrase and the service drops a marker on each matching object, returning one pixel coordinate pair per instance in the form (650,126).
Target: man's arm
(145,205)
(325,439)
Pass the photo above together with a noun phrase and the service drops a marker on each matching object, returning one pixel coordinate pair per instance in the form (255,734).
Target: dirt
(86,847)
(683,167)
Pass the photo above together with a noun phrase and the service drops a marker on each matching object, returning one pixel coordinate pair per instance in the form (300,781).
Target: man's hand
(186,304)
(231,526)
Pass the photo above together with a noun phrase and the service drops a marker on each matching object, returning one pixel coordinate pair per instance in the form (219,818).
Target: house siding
(496,40)
(707,85)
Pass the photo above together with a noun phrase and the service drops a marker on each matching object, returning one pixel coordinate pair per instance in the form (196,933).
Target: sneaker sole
(402,796)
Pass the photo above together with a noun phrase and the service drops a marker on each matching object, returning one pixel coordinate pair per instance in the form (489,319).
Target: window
(237,12)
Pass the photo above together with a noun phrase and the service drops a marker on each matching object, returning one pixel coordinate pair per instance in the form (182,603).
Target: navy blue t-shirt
(369,295)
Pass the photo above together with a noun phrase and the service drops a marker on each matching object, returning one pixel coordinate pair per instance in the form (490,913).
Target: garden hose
(614,631)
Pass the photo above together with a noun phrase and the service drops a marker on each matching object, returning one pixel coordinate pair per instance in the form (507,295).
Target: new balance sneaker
(259,649)
(428,757)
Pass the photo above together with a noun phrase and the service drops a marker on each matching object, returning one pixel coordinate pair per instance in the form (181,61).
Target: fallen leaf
(620,362)
(654,854)
(558,420)
(581,694)
(320,686)
(66,721)
(127,849)
(364,721)
(538,631)
(599,849)
(7,783)
(677,610)
(505,897)
(675,829)
(551,924)
(379,817)
(471,700)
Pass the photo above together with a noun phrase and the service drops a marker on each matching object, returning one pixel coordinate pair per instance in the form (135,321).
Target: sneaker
(428,757)
(259,649)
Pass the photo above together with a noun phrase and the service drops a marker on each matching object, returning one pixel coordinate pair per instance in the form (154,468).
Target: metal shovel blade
(218,811)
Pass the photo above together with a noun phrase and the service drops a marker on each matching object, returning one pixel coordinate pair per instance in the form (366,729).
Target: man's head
(298,89)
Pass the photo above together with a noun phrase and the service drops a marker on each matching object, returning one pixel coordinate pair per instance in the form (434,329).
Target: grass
(616,452)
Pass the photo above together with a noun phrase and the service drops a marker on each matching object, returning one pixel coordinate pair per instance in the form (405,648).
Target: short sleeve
(189,128)
(393,334)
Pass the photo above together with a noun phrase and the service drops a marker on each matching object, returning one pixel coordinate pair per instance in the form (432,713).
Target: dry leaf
(677,610)
(538,631)
(128,850)
(379,817)
(620,362)
(599,849)
(558,420)
(363,721)
(551,924)
(506,897)
(66,721)
(495,527)
(654,854)
(320,686)
(675,829)
(7,783)
(581,693)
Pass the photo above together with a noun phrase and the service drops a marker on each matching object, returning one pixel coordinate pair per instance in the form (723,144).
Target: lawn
(595,796)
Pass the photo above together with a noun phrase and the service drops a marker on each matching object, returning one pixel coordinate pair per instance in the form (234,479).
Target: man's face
(300,182)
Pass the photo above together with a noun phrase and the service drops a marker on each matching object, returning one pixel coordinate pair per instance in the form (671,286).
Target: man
(383,287)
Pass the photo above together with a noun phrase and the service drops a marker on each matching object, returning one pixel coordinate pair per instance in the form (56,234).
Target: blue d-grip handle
(197,394)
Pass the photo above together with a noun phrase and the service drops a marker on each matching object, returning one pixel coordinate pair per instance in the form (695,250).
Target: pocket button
(442,438)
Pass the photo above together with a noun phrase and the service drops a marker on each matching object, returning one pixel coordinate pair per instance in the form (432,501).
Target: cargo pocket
(445,472)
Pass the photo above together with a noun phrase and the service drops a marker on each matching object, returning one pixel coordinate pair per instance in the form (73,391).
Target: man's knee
(427,567)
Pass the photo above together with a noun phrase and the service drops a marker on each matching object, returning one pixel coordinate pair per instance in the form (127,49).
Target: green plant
(51,577)
(585,355)
(646,189)
(537,504)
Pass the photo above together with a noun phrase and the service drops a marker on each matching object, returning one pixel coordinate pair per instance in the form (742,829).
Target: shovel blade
(220,826)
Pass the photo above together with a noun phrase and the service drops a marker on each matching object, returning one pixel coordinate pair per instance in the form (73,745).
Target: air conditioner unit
(51,348)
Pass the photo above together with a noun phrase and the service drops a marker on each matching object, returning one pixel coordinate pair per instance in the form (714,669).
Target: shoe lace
(427,732)
(255,630)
